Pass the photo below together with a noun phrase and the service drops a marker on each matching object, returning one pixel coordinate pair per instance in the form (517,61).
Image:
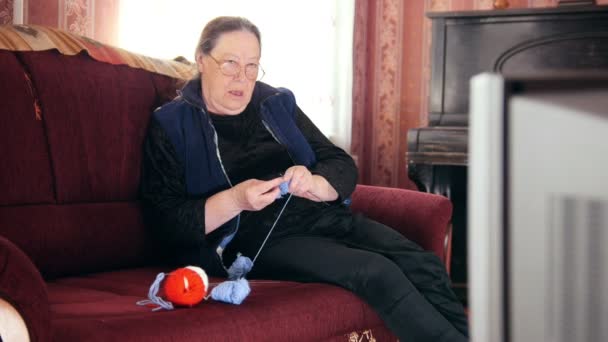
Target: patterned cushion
(40,38)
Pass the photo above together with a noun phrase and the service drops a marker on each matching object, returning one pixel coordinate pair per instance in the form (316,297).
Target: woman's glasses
(232,68)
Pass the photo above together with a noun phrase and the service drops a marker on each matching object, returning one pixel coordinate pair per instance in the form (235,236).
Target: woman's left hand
(301,181)
(306,185)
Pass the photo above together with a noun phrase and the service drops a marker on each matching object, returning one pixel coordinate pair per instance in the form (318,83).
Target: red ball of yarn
(186,286)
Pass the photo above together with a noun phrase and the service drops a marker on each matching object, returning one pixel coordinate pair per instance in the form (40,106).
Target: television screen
(538,208)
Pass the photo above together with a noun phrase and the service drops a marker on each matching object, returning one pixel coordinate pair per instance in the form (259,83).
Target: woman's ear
(199,63)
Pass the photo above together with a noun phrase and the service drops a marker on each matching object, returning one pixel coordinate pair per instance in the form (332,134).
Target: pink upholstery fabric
(25,175)
(102,307)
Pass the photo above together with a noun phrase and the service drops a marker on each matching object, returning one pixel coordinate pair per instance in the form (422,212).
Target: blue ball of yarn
(231,291)
(284,188)
(240,267)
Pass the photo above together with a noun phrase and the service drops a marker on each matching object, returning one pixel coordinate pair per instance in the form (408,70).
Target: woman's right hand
(255,194)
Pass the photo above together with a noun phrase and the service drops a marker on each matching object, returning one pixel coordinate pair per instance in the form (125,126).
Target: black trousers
(407,286)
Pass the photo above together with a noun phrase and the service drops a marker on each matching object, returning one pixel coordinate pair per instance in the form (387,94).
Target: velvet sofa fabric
(75,254)
(26,176)
(78,238)
(95,118)
(411,213)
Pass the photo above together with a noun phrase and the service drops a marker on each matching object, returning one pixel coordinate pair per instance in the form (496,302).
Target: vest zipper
(219,250)
(272,133)
(215,139)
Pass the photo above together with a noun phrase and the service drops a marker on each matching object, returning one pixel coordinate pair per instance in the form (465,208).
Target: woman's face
(229,95)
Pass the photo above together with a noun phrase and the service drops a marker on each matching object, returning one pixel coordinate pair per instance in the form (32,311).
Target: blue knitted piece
(231,291)
(284,187)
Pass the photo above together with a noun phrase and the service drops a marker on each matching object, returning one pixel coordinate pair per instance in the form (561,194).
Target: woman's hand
(300,181)
(251,195)
(254,194)
(304,184)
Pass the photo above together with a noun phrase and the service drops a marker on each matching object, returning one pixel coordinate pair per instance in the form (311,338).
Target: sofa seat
(101,307)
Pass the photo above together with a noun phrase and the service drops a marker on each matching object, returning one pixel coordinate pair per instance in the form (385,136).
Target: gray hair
(216,27)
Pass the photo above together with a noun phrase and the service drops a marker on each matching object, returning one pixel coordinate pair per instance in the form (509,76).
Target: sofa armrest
(421,217)
(22,286)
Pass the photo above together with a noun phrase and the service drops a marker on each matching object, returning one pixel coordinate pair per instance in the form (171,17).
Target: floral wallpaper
(76,16)
(95,19)
(376,89)
(6,12)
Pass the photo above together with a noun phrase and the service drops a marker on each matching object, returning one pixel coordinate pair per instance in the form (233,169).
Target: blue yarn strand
(272,228)
(153,296)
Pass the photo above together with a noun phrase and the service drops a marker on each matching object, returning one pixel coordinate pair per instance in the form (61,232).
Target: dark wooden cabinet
(512,42)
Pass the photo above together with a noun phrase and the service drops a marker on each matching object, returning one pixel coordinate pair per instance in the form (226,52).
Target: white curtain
(306,46)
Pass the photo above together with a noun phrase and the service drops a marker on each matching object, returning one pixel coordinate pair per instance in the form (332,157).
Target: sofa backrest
(71,132)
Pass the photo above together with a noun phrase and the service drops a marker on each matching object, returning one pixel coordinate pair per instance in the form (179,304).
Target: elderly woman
(213,162)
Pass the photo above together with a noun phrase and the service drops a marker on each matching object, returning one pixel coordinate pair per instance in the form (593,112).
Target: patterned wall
(6,12)
(391,77)
(376,89)
(96,19)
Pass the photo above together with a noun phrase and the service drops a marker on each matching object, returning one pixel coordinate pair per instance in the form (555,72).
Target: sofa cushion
(78,238)
(96,116)
(101,307)
(25,175)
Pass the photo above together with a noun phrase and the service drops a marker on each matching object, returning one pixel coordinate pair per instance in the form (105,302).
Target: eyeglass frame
(240,69)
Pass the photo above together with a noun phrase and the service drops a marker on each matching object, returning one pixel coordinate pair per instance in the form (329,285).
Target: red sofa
(75,255)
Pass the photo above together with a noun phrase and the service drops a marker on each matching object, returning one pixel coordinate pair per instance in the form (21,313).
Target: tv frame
(489,238)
